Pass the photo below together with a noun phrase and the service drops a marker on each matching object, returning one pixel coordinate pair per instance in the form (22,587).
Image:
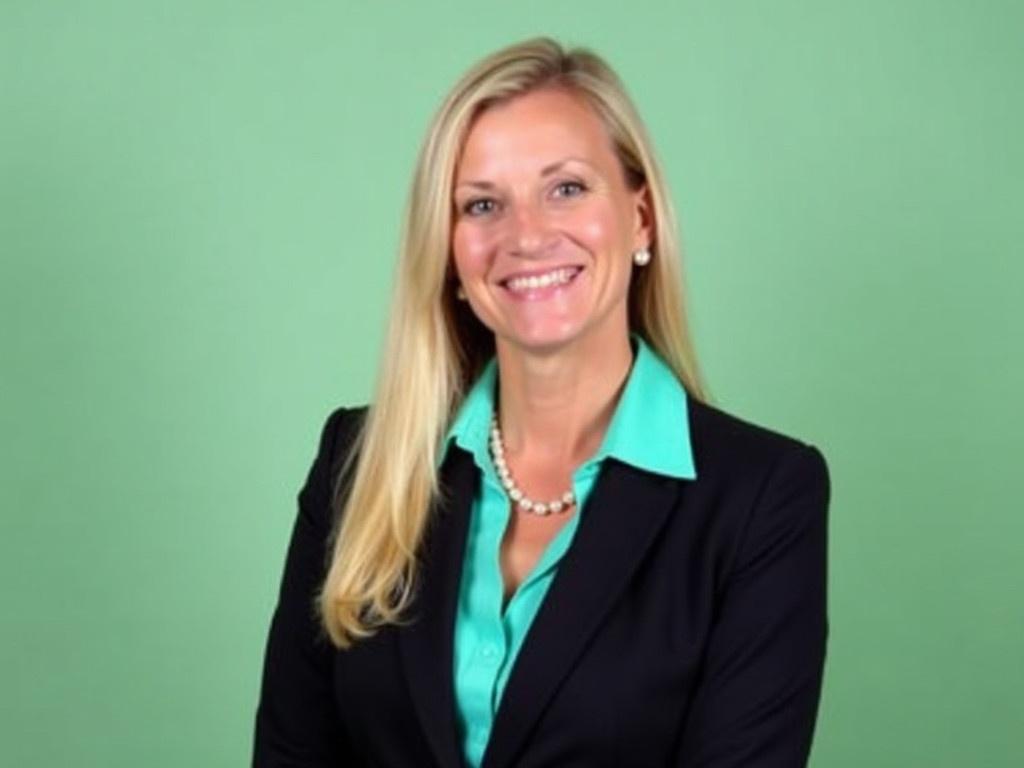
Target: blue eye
(478,206)
(570,188)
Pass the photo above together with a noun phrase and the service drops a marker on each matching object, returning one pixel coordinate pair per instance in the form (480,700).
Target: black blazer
(686,624)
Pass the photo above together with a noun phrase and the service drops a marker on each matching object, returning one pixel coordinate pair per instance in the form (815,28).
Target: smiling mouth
(554,278)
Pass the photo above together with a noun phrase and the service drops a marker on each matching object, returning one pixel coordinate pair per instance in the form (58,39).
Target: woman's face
(545,224)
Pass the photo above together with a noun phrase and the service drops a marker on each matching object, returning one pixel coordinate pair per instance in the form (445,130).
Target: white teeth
(554,277)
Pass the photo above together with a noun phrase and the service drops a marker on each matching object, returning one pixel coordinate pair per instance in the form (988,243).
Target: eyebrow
(547,170)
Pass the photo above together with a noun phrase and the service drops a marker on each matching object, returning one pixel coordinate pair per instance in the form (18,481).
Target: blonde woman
(541,545)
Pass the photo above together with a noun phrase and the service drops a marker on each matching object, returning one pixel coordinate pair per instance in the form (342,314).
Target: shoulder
(341,427)
(766,491)
(340,434)
(329,473)
(733,450)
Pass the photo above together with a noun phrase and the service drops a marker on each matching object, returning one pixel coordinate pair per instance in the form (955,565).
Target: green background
(199,207)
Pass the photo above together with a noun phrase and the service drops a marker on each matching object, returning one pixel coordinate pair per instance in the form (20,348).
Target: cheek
(470,251)
(599,228)
(596,233)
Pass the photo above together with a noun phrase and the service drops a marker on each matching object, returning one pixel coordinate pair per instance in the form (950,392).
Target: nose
(530,236)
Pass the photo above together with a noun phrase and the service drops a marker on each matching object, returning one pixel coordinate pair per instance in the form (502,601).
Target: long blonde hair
(435,347)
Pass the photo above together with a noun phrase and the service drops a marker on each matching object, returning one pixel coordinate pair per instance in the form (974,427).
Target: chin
(544,337)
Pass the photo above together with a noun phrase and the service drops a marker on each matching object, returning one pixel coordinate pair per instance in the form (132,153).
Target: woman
(540,545)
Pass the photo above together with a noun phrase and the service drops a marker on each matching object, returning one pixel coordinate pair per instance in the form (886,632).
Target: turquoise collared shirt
(649,430)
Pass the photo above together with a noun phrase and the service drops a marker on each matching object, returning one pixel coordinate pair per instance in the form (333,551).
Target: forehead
(533,130)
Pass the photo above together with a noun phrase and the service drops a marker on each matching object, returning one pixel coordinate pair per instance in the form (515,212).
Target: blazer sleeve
(757,701)
(297,723)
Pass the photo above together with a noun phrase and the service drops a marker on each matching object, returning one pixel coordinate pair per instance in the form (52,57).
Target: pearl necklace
(524,503)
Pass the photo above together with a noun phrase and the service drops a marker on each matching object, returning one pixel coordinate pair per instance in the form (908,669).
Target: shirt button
(489,652)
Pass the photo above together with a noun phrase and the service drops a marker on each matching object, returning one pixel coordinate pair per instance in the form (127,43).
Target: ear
(643,217)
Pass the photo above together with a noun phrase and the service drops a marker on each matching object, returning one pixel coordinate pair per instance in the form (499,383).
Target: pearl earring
(641,256)
(460,293)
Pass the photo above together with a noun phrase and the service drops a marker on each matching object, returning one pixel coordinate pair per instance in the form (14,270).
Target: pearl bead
(524,503)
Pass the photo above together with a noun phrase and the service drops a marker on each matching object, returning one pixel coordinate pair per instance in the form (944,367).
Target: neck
(557,406)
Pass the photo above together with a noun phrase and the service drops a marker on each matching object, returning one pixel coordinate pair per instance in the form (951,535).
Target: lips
(526,283)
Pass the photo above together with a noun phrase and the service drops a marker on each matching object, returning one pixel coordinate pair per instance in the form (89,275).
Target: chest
(612,689)
(525,539)
(610,662)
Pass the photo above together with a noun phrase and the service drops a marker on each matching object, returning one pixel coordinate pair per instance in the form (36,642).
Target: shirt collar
(649,428)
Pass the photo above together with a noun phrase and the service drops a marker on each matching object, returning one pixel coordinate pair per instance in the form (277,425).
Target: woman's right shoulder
(343,423)
(329,474)
(340,434)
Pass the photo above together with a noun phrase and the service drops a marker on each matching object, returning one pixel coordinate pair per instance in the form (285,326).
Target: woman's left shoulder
(765,491)
(730,446)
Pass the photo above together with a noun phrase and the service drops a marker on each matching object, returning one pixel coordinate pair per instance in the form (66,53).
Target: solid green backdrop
(199,207)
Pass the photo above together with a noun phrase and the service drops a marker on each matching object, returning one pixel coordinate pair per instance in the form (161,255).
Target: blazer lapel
(426,646)
(626,509)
